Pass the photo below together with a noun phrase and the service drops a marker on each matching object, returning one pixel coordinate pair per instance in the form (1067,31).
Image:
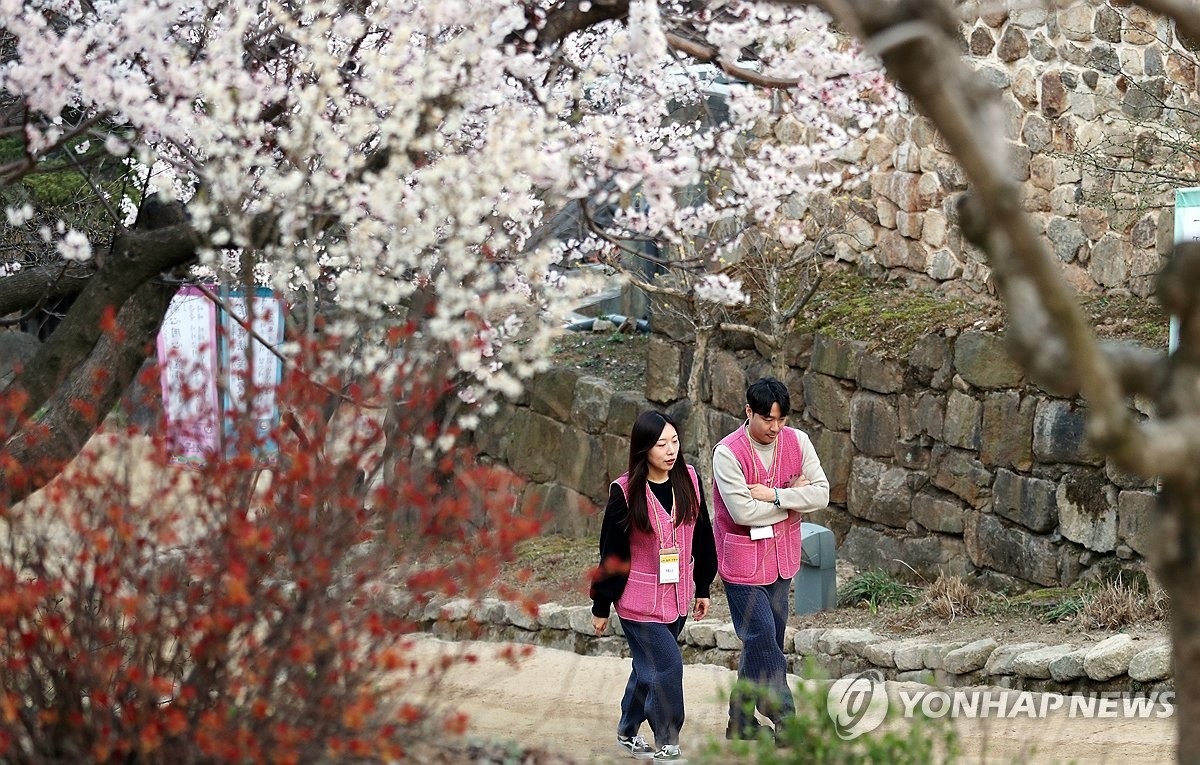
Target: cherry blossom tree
(392,158)
(386,167)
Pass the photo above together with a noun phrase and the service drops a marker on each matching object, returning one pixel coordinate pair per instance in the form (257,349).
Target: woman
(656,554)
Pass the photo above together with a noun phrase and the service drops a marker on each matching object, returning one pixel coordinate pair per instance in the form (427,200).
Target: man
(765,476)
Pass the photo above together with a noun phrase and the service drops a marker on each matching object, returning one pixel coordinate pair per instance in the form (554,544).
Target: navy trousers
(654,692)
(760,613)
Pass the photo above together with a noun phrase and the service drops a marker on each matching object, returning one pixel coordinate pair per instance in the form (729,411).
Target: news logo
(857,704)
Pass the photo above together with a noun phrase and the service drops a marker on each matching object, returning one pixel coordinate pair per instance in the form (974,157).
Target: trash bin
(816,582)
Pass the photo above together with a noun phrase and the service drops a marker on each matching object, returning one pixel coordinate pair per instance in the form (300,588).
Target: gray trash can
(816,582)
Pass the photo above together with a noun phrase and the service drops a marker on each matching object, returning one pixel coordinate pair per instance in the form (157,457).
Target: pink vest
(740,559)
(644,599)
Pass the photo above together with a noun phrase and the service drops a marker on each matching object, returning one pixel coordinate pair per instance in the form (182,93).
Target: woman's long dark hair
(646,431)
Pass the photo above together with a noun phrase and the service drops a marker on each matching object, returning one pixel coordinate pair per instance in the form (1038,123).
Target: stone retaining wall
(1090,78)
(1117,663)
(945,460)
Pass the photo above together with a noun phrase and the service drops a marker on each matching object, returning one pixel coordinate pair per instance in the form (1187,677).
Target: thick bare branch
(136,257)
(654,289)
(745,329)
(1185,14)
(35,284)
(708,54)
(40,451)
(1169,449)
(566,18)
(1140,370)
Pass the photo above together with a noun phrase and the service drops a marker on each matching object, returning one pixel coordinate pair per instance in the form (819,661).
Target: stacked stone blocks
(1115,663)
(1085,78)
(946,460)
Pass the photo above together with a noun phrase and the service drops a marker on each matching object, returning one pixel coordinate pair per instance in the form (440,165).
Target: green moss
(57,182)
(1041,596)
(57,188)
(888,317)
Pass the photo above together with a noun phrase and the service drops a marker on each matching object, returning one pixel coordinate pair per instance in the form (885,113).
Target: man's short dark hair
(765,392)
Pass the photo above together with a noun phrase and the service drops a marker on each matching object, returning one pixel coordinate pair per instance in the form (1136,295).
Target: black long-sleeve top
(607,586)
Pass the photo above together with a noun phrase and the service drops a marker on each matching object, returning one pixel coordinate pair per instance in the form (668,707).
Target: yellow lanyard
(774,471)
(653,510)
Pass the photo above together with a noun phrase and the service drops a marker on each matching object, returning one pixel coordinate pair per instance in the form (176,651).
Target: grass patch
(1047,604)
(1128,318)
(618,358)
(555,546)
(1111,605)
(554,567)
(877,588)
(890,317)
(1117,604)
(1067,608)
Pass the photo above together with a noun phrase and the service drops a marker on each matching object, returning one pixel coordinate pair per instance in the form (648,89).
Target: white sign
(208,363)
(187,357)
(1187,229)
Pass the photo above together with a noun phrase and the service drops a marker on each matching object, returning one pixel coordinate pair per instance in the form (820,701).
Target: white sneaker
(669,753)
(636,746)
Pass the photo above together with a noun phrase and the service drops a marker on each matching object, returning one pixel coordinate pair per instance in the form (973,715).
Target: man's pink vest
(740,559)
(644,599)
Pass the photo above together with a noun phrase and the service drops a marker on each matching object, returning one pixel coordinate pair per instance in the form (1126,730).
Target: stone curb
(1117,663)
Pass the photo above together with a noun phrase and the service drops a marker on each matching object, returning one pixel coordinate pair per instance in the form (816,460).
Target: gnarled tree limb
(34,284)
(36,453)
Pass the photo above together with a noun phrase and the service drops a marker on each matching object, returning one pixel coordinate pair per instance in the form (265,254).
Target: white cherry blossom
(417,147)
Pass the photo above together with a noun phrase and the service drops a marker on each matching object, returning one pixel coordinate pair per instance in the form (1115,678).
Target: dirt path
(569,703)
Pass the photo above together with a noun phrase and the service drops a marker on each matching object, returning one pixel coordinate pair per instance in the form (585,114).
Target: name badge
(668,566)
(762,532)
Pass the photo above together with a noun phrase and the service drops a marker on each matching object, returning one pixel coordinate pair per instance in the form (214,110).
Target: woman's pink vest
(740,559)
(644,599)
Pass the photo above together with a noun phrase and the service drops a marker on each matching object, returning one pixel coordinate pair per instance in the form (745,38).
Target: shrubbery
(153,614)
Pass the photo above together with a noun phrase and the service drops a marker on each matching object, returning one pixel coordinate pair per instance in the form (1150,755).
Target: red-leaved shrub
(152,613)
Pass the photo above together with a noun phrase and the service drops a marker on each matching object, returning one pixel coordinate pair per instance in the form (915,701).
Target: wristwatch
(777,498)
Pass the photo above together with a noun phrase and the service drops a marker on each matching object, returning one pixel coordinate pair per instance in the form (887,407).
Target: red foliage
(151,613)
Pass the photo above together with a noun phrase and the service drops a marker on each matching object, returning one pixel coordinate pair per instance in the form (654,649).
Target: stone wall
(568,437)
(945,460)
(1072,79)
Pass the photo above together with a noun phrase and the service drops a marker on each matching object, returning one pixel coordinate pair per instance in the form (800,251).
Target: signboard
(1187,229)
(247,363)
(187,358)
(209,363)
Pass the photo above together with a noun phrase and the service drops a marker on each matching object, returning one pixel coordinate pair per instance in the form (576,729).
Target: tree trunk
(697,420)
(1176,557)
(39,451)
(1179,571)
